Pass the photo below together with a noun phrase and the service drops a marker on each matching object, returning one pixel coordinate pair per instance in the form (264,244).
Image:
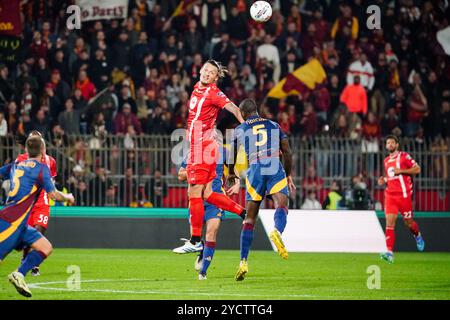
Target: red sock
(414,228)
(390,238)
(197,212)
(223,202)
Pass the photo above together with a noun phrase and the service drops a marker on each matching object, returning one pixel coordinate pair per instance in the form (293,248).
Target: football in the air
(261,11)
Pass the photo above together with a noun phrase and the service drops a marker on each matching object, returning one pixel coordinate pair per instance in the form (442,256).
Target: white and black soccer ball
(261,11)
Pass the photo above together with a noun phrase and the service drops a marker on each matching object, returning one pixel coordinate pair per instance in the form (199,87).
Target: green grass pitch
(160,274)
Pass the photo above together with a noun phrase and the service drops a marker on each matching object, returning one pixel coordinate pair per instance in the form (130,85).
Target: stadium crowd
(392,80)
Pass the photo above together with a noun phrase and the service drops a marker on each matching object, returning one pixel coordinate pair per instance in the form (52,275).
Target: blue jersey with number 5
(26,177)
(260,137)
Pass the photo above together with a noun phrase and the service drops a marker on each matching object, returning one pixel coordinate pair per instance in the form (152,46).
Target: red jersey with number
(398,185)
(42,204)
(204,105)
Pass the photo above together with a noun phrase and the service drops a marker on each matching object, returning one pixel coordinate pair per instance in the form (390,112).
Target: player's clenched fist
(182,175)
(381,180)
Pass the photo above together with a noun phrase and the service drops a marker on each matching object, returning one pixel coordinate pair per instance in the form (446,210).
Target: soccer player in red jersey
(205,103)
(399,167)
(40,213)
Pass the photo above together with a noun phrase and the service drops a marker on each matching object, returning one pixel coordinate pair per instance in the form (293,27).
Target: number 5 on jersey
(16,182)
(259,130)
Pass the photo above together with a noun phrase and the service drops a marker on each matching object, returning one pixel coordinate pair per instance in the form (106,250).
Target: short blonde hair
(222,70)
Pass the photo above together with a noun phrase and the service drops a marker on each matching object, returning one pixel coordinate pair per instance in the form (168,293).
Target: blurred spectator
(334,89)
(270,53)
(370,128)
(126,118)
(140,199)
(121,52)
(6,88)
(111,196)
(389,122)
(443,123)
(87,88)
(81,63)
(193,40)
(99,186)
(237,25)
(357,196)
(248,79)
(335,198)
(3,125)
(127,97)
(81,194)
(40,122)
(69,120)
(99,70)
(354,97)
(418,107)
(127,187)
(364,70)
(379,97)
(39,47)
(340,127)
(12,117)
(224,51)
(346,26)
(80,155)
(311,202)
(157,189)
(308,122)
(312,182)
(322,103)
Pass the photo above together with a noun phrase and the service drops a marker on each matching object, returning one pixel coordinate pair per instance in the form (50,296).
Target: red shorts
(39,217)
(200,173)
(396,204)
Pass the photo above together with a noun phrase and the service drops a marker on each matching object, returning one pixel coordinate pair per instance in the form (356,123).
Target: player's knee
(46,248)
(211,236)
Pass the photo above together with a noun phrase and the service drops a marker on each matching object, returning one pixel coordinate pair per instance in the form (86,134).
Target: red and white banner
(103,9)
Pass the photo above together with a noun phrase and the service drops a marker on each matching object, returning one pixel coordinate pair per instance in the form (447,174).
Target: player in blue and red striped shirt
(28,179)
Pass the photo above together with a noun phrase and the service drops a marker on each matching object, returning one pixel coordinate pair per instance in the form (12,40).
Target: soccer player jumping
(399,166)
(205,102)
(265,145)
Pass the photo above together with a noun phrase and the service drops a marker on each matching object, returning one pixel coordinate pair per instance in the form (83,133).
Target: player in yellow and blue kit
(213,217)
(28,179)
(265,144)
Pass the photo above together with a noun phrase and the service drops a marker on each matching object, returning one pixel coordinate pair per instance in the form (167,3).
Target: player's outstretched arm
(61,197)
(286,154)
(234,110)
(231,161)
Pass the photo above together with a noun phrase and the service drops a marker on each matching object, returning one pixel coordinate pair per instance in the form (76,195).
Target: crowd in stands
(392,80)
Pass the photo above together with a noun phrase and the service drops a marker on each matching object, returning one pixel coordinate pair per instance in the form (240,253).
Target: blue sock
(33,259)
(280,218)
(208,254)
(246,240)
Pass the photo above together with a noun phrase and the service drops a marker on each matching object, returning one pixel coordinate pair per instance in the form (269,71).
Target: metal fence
(129,166)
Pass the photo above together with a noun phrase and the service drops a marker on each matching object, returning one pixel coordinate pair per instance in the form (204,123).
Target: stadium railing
(333,159)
